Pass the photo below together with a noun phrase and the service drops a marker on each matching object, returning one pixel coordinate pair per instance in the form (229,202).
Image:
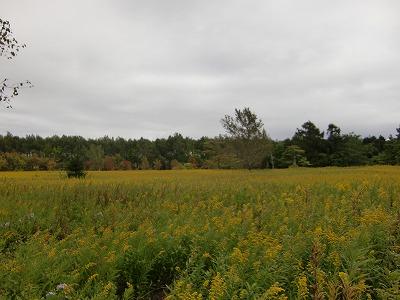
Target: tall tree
(375,147)
(9,48)
(248,137)
(352,152)
(311,140)
(335,142)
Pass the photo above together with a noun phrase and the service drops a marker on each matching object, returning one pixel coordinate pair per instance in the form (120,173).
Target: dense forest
(309,147)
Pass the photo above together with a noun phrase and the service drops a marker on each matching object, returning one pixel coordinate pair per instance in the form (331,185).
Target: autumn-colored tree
(125,165)
(15,161)
(108,164)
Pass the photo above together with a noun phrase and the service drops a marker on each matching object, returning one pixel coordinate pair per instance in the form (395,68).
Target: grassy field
(274,234)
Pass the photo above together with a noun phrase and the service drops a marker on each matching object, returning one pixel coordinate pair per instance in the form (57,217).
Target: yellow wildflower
(218,287)
(275,292)
(302,287)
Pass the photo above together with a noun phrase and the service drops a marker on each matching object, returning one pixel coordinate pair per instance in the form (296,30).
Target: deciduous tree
(9,48)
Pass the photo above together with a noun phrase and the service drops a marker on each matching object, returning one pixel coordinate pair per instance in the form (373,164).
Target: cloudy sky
(150,68)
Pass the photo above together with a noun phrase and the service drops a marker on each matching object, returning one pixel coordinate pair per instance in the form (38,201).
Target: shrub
(176,165)
(125,165)
(75,168)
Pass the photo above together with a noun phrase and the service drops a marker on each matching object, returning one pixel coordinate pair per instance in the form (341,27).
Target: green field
(329,233)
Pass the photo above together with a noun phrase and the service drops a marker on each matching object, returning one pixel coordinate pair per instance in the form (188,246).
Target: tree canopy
(246,145)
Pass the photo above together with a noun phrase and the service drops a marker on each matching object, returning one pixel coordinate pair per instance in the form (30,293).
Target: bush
(125,165)
(176,165)
(75,168)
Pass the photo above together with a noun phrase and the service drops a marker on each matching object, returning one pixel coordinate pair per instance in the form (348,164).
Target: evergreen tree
(311,140)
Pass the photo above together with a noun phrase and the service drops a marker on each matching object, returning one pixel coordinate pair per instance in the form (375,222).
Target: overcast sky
(150,68)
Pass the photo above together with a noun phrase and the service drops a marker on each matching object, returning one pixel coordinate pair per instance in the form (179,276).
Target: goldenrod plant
(298,233)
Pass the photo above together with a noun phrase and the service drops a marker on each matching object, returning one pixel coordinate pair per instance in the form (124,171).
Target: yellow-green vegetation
(272,234)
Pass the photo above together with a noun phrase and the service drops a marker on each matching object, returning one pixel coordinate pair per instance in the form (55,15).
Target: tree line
(245,145)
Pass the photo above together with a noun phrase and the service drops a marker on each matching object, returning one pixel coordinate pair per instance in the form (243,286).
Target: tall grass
(284,234)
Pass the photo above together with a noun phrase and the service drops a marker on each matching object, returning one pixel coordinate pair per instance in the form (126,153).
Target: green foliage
(311,140)
(152,267)
(75,167)
(294,156)
(144,163)
(221,152)
(243,125)
(95,155)
(350,152)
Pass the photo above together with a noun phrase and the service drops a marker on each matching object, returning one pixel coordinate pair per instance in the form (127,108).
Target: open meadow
(330,233)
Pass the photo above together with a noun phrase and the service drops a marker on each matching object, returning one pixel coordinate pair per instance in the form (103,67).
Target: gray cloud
(150,68)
